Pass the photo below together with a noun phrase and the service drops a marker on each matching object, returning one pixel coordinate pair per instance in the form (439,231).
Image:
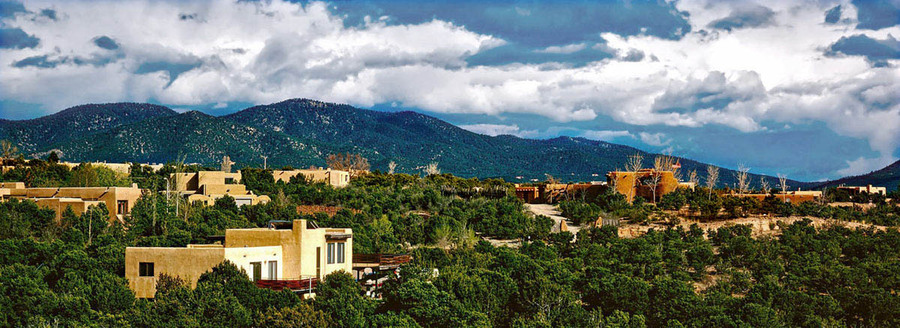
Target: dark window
(340,252)
(122,206)
(145,269)
(330,253)
(256,267)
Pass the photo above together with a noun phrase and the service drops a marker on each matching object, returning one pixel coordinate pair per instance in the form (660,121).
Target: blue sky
(806,88)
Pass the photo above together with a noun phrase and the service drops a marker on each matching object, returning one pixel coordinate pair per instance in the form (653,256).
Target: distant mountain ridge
(888,176)
(302,132)
(76,122)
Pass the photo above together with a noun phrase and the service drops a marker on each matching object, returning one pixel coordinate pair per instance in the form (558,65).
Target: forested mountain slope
(303,132)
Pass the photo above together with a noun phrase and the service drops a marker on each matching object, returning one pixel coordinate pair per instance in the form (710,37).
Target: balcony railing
(303,284)
(382,261)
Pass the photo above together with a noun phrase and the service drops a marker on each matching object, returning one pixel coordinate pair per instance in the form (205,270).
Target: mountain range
(303,132)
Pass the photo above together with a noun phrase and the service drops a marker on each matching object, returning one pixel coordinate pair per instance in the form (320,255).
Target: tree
(653,181)
(431,169)
(391,167)
(782,181)
(743,178)
(668,163)
(341,298)
(356,164)
(633,164)
(550,179)
(53,158)
(301,316)
(8,150)
(693,178)
(764,185)
(226,164)
(712,175)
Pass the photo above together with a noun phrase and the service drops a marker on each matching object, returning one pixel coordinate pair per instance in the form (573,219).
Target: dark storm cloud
(756,16)
(15,38)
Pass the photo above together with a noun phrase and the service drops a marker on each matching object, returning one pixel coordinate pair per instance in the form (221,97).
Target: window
(256,270)
(273,270)
(330,254)
(335,253)
(122,207)
(340,252)
(145,269)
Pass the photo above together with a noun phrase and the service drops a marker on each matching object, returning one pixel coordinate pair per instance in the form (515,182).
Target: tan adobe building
(207,186)
(793,197)
(869,189)
(335,178)
(118,200)
(298,252)
(640,183)
(553,192)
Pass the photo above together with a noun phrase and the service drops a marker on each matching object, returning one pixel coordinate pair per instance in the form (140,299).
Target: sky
(810,89)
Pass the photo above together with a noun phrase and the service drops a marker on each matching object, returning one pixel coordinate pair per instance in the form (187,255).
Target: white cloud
(864,165)
(605,135)
(492,129)
(566,49)
(654,139)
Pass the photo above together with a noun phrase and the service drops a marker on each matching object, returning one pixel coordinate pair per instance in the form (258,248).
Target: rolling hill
(76,122)
(302,132)
(192,136)
(887,177)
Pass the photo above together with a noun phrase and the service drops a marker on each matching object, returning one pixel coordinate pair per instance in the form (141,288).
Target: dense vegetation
(71,273)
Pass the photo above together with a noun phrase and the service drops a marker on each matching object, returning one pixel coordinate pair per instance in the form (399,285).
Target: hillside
(76,122)
(302,132)
(413,140)
(887,177)
(192,136)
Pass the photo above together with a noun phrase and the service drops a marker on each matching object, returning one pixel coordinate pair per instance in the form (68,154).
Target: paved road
(552,212)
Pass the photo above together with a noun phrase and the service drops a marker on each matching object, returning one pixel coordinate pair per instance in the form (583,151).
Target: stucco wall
(186,263)
(243,256)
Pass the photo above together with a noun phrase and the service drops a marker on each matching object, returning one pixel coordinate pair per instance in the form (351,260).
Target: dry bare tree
(353,163)
(8,150)
(655,177)
(764,184)
(613,181)
(667,163)
(712,176)
(633,164)
(391,167)
(693,178)
(431,169)
(742,175)
(226,164)
(550,179)
(782,181)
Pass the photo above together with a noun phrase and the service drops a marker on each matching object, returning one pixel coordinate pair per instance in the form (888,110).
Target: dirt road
(552,212)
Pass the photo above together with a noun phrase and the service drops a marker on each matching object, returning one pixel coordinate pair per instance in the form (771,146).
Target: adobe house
(554,192)
(794,197)
(869,189)
(207,186)
(292,255)
(528,194)
(335,178)
(640,183)
(118,200)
